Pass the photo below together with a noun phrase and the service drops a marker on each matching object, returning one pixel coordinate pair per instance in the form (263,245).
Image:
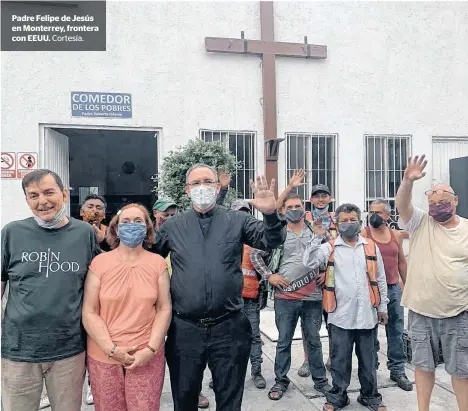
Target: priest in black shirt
(208,326)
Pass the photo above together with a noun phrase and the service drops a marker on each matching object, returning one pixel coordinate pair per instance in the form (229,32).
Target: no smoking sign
(27,162)
(8,165)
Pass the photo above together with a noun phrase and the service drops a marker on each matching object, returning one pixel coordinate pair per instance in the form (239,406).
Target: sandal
(330,407)
(276,392)
(371,407)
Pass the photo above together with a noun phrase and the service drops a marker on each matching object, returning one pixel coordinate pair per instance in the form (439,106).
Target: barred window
(386,158)
(317,155)
(242,145)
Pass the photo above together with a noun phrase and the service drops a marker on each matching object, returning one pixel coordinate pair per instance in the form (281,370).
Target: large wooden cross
(268,49)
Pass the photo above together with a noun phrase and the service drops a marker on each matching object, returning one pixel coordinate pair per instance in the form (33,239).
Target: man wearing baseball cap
(320,198)
(163,209)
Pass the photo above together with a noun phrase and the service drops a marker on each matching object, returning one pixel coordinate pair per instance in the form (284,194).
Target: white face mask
(203,196)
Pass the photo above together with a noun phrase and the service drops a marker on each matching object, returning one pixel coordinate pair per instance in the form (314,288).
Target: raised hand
(265,200)
(296,179)
(319,229)
(101,234)
(415,168)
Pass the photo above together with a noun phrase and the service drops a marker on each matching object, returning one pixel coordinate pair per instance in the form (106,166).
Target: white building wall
(392,68)
(156,52)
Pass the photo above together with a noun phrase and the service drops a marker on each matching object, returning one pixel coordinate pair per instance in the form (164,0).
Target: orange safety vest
(329,296)
(251,283)
(332,230)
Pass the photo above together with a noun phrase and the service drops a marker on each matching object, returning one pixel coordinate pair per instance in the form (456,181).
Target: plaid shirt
(257,257)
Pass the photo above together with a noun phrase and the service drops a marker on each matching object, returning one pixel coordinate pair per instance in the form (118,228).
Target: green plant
(170,181)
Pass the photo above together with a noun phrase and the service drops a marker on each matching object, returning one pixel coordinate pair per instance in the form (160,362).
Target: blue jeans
(394,329)
(252,312)
(287,313)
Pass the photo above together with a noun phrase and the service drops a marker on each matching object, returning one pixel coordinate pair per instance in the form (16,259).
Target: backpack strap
(309,226)
(329,295)
(370,251)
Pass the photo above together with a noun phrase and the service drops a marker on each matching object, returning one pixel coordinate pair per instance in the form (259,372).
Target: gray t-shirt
(301,287)
(46,270)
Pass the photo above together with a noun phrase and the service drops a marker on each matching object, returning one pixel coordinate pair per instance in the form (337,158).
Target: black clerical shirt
(206,253)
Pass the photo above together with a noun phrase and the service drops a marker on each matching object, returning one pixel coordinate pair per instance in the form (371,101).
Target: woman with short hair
(126,312)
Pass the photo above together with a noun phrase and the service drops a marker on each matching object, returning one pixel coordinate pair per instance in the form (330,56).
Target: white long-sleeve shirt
(354,310)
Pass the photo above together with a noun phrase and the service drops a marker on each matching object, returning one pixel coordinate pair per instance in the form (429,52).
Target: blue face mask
(132,234)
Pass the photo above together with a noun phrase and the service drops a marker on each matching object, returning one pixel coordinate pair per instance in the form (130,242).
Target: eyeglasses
(204,183)
(439,192)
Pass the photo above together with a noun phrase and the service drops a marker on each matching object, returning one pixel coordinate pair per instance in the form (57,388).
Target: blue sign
(93,104)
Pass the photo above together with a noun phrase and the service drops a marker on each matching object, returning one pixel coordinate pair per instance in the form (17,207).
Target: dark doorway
(458,177)
(117,164)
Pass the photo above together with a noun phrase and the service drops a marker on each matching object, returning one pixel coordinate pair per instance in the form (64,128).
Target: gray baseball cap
(320,188)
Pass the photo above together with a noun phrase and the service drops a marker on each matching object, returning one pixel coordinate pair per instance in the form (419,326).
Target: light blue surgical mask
(132,234)
(319,212)
(55,222)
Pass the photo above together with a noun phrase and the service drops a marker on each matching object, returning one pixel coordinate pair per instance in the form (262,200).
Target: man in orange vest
(250,294)
(355,297)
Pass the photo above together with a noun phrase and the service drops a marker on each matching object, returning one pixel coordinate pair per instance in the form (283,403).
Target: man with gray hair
(390,243)
(208,323)
(436,290)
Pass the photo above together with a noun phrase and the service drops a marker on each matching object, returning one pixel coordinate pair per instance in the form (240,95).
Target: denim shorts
(427,334)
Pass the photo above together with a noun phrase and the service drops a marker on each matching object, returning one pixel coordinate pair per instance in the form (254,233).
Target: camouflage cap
(163,203)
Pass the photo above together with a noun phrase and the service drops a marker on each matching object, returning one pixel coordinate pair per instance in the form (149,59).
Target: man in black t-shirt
(45,259)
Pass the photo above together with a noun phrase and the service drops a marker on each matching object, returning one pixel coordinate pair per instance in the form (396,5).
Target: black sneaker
(402,381)
(258,380)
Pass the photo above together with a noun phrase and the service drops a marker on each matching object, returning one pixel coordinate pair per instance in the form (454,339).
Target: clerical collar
(208,214)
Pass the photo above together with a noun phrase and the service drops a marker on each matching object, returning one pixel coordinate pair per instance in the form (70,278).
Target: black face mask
(375,220)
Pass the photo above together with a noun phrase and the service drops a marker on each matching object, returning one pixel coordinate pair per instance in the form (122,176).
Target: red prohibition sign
(7,161)
(27,161)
